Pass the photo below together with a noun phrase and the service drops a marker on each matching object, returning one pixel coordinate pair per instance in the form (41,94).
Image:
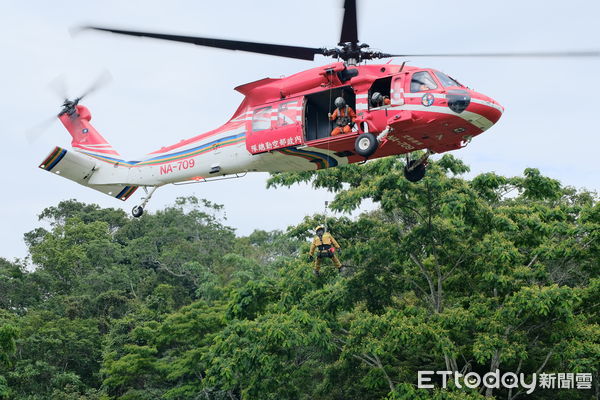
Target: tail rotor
(58,85)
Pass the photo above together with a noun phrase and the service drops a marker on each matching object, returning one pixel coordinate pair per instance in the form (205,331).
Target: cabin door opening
(317,107)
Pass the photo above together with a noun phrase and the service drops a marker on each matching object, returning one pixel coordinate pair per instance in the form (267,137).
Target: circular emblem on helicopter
(427,99)
(85,130)
(459,130)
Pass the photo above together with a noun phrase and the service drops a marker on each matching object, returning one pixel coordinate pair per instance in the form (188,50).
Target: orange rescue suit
(344,118)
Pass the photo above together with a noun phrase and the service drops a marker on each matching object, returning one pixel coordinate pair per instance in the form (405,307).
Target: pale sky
(163,92)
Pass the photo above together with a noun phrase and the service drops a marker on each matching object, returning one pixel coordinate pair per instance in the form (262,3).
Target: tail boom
(81,168)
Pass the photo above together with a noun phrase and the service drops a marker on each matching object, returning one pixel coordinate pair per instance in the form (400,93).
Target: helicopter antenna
(325,224)
(329,110)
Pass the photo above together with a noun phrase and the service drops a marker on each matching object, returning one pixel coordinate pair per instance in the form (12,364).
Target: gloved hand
(311,258)
(329,115)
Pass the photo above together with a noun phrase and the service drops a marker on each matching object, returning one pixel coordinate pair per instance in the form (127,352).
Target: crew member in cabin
(325,246)
(379,100)
(344,117)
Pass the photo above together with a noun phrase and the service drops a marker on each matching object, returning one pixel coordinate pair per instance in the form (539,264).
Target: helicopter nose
(488,108)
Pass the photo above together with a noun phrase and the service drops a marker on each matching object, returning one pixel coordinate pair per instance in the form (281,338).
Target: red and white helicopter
(283,124)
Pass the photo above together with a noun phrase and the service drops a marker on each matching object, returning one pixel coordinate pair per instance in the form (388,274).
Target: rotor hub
(69,107)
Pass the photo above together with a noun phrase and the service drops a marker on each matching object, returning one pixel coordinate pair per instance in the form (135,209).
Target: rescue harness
(343,120)
(325,250)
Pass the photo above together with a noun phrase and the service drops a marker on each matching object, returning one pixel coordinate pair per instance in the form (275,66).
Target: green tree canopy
(449,273)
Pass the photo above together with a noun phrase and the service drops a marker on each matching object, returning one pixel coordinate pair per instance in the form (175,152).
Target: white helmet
(339,102)
(376,99)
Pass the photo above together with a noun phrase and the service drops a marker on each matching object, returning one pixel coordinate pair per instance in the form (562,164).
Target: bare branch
(132,290)
(418,287)
(387,377)
(520,392)
(370,364)
(165,268)
(545,361)
(456,264)
(533,260)
(426,275)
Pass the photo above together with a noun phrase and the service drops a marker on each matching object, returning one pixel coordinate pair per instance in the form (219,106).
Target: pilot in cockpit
(422,81)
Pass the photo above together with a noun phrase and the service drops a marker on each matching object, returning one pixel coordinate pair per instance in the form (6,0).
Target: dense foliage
(445,274)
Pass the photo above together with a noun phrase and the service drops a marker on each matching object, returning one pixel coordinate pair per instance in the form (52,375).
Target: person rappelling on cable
(325,246)
(344,117)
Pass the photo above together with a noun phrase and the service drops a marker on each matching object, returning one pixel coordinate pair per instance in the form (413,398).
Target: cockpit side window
(422,81)
(445,80)
(379,93)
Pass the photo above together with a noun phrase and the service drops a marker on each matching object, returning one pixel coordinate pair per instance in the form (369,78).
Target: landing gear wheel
(365,144)
(415,174)
(137,211)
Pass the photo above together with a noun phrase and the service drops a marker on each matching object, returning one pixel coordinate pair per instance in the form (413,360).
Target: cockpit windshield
(446,80)
(422,81)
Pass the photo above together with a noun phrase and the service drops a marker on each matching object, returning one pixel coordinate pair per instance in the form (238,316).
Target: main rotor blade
(35,132)
(548,54)
(59,86)
(349,25)
(302,53)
